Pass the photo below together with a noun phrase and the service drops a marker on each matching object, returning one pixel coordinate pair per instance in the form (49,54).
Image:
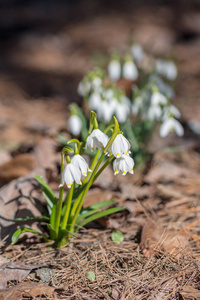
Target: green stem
(68,202)
(60,200)
(81,198)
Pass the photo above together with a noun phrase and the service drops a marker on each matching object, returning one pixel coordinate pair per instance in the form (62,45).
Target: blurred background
(46,47)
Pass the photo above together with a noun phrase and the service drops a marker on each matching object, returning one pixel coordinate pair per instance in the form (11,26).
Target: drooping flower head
(124,164)
(169,125)
(119,146)
(75,124)
(79,162)
(71,174)
(130,70)
(97,139)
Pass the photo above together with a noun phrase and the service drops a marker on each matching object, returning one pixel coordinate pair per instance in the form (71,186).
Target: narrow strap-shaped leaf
(38,218)
(86,214)
(18,232)
(101,204)
(101,214)
(51,198)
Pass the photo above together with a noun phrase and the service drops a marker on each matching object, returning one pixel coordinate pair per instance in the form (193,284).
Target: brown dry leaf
(96,195)
(155,239)
(13,271)
(27,290)
(105,179)
(19,166)
(4,157)
(45,153)
(14,201)
(188,292)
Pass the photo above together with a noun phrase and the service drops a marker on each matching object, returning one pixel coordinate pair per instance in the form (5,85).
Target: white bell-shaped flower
(79,162)
(114,70)
(137,52)
(97,139)
(119,146)
(169,125)
(137,105)
(124,163)
(95,101)
(171,70)
(106,110)
(71,174)
(154,113)
(84,87)
(158,98)
(75,124)
(171,110)
(130,70)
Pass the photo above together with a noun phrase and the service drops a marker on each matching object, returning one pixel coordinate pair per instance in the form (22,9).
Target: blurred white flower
(114,70)
(171,111)
(71,174)
(75,124)
(95,101)
(119,146)
(122,109)
(124,163)
(129,70)
(84,87)
(97,139)
(154,113)
(158,98)
(137,52)
(137,105)
(167,69)
(169,125)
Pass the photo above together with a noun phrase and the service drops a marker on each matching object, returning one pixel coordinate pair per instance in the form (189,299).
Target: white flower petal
(114,70)
(130,71)
(97,139)
(119,146)
(124,164)
(75,124)
(79,162)
(178,128)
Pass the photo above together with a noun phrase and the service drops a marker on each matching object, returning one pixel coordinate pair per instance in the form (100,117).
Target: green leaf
(48,193)
(117,237)
(91,276)
(101,204)
(39,218)
(86,214)
(18,232)
(94,208)
(101,214)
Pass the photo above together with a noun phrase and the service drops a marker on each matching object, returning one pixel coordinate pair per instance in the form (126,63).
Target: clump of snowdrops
(148,101)
(66,215)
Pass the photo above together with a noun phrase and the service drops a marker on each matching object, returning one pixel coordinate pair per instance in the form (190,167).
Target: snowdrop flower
(79,162)
(129,70)
(119,146)
(137,52)
(97,139)
(114,70)
(96,83)
(154,113)
(94,101)
(169,125)
(106,110)
(124,163)
(84,87)
(167,69)
(170,111)
(71,174)
(158,98)
(171,70)
(137,105)
(123,106)
(75,124)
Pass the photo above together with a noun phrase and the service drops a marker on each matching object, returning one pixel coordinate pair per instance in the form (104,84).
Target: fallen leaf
(188,292)
(13,271)
(96,195)
(27,290)
(19,166)
(156,239)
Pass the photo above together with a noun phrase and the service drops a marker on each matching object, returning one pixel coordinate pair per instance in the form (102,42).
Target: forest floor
(40,69)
